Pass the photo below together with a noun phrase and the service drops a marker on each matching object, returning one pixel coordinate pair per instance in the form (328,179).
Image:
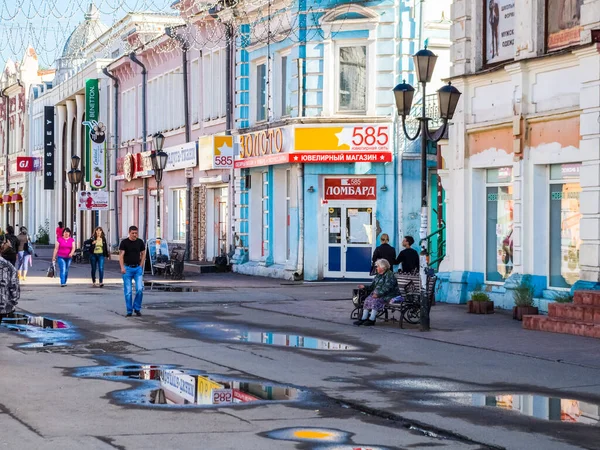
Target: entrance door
(350,232)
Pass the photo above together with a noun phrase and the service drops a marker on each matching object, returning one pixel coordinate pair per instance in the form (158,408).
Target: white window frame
(254,94)
(171,212)
(281,108)
(195,91)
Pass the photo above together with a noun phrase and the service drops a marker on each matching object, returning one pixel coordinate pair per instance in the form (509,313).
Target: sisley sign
(350,189)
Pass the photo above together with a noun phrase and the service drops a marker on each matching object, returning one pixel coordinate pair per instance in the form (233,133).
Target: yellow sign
(205,387)
(355,138)
(261,143)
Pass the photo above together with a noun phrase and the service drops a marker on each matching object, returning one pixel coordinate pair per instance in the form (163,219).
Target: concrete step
(587,298)
(561,325)
(583,313)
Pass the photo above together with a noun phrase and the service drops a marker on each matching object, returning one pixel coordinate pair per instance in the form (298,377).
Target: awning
(1,198)
(18,197)
(7,197)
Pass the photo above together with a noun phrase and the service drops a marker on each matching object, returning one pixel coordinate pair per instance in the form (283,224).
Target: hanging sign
(350,189)
(95,156)
(49,147)
(182,156)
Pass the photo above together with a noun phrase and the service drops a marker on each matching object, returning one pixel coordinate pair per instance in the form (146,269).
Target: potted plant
(480,302)
(523,296)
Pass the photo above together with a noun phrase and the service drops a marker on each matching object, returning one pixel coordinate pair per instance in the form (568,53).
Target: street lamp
(159,162)
(75,175)
(448,97)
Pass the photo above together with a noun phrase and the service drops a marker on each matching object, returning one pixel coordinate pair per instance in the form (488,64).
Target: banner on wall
(500,30)
(92,200)
(48,147)
(564,23)
(95,155)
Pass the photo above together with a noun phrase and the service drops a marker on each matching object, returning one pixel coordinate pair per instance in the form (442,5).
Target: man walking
(132,255)
(409,258)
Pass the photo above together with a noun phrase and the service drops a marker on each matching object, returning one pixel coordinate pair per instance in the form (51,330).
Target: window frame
(172,215)
(337,75)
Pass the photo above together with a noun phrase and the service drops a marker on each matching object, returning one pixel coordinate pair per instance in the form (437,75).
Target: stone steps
(580,318)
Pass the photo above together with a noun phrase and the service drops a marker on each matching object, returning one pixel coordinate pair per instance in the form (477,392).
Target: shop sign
(352,138)
(350,189)
(205,388)
(261,143)
(216,152)
(182,156)
(95,157)
(143,165)
(500,30)
(269,160)
(28,164)
(222,396)
(128,167)
(92,201)
(48,147)
(346,157)
(243,397)
(570,170)
(179,383)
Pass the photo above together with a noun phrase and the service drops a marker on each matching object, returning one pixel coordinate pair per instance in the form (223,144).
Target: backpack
(87,246)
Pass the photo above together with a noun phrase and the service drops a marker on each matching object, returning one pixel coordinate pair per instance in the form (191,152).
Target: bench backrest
(411,282)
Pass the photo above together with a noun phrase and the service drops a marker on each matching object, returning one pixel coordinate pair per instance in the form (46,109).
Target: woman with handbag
(383,288)
(98,251)
(24,254)
(63,254)
(384,251)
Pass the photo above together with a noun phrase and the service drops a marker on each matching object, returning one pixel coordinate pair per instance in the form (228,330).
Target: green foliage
(43,234)
(564,298)
(480,296)
(523,294)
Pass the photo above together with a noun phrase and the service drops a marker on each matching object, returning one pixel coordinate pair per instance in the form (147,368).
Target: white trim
(254,94)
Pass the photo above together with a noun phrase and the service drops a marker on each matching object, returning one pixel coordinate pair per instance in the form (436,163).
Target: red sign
(28,164)
(243,397)
(313,157)
(350,189)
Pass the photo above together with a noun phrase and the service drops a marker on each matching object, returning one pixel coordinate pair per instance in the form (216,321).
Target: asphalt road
(336,385)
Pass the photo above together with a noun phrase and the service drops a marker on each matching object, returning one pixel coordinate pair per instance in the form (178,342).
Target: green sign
(95,145)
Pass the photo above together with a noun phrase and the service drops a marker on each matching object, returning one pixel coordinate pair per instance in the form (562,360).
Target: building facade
(521,168)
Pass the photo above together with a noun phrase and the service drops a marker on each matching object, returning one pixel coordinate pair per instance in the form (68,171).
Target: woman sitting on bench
(383,288)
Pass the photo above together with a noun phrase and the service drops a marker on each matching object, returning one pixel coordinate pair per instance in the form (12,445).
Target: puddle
(45,331)
(224,332)
(164,386)
(330,439)
(165,287)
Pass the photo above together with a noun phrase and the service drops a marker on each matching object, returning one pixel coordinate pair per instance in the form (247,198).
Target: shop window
(288,212)
(265,214)
(352,79)
(499,224)
(565,216)
(563,23)
(177,213)
(261,92)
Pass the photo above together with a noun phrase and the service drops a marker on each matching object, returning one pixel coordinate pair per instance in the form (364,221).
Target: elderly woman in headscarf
(383,288)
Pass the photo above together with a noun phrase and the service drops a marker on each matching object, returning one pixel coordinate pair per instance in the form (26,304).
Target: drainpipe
(299,274)
(116,150)
(6,99)
(134,58)
(228,124)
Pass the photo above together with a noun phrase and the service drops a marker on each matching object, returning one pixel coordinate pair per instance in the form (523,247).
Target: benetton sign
(49,147)
(95,145)
(350,189)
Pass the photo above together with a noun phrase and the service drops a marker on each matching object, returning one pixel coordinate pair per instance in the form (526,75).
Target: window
(352,79)
(288,212)
(565,215)
(285,88)
(195,88)
(265,214)
(178,213)
(261,92)
(213,83)
(499,224)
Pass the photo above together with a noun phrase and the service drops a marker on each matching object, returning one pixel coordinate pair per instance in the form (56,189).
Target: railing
(436,258)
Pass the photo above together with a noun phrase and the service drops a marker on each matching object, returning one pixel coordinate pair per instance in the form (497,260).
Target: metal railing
(435,259)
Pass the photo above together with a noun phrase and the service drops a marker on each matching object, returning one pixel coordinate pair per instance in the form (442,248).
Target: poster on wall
(564,23)
(92,200)
(95,156)
(500,30)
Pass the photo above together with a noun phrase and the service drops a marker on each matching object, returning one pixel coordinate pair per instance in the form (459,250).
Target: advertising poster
(564,18)
(92,201)
(95,156)
(500,30)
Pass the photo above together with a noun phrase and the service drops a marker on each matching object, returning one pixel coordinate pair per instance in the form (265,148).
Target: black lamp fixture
(448,97)
(75,175)
(158,157)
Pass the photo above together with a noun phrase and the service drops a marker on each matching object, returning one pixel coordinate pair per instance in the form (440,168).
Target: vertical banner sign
(49,147)
(95,145)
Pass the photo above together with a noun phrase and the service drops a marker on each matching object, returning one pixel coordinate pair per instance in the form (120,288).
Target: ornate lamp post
(75,176)
(159,162)
(448,97)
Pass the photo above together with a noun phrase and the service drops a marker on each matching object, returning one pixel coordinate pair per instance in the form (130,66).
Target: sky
(46,24)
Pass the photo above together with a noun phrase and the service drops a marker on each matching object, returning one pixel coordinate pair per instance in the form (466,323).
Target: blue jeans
(133,274)
(63,268)
(23,262)
(97,261)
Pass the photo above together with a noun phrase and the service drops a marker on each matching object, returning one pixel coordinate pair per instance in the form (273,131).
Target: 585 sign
(374,138)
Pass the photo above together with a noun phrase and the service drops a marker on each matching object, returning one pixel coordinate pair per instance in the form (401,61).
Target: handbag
(358,296)
(51,273)
(373,270)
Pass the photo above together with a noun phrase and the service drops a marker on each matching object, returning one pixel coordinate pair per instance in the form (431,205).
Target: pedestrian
(10,246)
(63,254)
(383,288)
(24,260)
(10,291)
(385,251)
(98,251)
(59,230)
(408,258)
(132,254)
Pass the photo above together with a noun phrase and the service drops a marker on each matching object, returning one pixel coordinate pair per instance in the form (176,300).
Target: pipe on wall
(134,58)
(7,148)
(106,72)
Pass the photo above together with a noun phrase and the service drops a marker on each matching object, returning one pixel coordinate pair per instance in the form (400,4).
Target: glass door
(349,240)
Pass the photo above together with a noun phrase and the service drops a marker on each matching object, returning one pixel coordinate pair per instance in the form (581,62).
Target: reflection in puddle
(167,386)
(47,332)
(223,332)
(321,435)
(165,287)
(536,406)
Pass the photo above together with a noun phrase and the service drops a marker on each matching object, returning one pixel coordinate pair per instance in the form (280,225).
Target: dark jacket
(387,252)
(385,286)
(104,246)
(409,258)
